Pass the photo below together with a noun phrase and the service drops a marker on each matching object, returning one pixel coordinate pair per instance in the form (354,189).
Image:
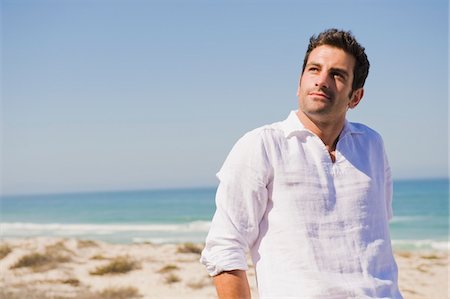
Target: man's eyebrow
(338,70)
(313,64)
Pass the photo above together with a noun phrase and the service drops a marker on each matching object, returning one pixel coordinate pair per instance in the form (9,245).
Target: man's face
(325,89)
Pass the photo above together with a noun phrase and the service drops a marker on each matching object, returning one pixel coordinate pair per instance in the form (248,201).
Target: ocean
(421,215)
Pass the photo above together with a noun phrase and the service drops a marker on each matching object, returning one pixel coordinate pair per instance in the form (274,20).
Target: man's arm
(241,202)
(232,285)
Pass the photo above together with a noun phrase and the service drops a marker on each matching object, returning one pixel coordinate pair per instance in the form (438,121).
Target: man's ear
(356,98)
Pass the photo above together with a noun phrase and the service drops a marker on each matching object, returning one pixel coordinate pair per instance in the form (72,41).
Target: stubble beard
(311,106)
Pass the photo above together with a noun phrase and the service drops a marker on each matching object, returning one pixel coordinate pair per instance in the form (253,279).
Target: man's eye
(339,76)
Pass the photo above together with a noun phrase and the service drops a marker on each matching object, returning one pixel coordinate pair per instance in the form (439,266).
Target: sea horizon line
(163,189)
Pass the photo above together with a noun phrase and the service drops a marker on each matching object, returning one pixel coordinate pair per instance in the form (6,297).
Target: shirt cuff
(233,261)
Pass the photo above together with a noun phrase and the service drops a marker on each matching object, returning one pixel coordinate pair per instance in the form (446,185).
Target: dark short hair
(346,41)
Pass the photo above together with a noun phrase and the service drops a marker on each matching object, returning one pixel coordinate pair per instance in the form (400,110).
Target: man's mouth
(320,94)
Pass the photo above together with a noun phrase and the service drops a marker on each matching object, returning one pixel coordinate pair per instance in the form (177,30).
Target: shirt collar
(350,128)
(292,125)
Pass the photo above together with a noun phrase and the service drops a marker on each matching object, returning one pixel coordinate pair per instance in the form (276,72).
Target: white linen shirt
(315,229)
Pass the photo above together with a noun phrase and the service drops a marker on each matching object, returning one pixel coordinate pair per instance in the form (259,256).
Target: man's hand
(232,285)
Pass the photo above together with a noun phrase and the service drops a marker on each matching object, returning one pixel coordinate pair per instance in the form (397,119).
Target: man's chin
(317,111)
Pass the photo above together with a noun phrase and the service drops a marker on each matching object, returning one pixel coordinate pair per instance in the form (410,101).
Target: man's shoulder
(252,148)
(268,131)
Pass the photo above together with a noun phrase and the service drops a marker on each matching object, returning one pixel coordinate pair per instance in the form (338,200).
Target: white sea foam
(398,219)
(440,245)
(157,233)
(11,227)
(422,244)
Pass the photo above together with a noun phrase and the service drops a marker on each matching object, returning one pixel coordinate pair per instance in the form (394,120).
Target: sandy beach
(54,268)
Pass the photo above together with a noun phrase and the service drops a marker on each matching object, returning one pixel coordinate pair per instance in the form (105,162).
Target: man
(309,196)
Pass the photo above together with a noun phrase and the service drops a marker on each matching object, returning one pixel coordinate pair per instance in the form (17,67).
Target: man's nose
(322,80)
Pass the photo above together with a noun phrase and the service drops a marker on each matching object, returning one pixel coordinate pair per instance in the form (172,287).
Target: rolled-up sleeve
(241,201)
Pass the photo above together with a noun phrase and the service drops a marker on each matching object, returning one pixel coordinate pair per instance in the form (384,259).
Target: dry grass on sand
(118,265)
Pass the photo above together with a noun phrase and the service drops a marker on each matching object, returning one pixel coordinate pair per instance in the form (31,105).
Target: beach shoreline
(57,268)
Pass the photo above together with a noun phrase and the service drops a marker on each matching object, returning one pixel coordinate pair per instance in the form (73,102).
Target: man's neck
(327,131)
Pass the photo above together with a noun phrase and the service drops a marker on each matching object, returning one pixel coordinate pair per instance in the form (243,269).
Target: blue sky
(112,95)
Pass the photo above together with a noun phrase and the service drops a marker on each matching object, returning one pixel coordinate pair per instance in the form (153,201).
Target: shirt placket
(328,173)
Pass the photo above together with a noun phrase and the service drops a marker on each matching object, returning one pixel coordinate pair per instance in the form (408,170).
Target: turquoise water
(421,209)
(421,214)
